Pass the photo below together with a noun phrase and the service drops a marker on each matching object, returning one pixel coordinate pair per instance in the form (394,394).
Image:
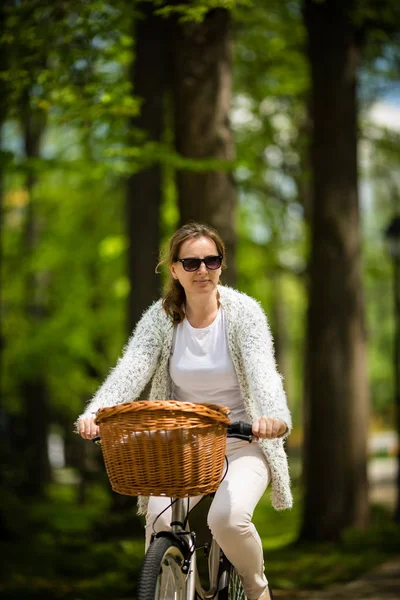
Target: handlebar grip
(240,430)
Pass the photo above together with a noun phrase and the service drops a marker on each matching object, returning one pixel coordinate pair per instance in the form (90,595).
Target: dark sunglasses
(193,264)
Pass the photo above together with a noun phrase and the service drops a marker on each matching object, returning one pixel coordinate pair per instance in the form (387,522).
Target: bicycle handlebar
(239,430)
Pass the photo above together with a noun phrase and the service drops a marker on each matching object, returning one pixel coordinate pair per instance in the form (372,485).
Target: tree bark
(6,449)
(279,328)
(144,193)
(396,357)
(36,415)
(202,88)
(336,418)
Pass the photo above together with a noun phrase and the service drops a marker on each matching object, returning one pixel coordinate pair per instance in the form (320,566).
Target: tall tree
(27,61)
(337,407)
(5,442)
(144,191)
(34,386)
(202,83)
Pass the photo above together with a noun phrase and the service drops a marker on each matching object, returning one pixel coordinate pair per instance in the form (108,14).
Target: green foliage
(196,10)
(82,263)
(136,158)
(68,67)
(78,79)
(382,151)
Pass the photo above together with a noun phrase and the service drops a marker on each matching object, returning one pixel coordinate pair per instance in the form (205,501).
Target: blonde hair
(174,295)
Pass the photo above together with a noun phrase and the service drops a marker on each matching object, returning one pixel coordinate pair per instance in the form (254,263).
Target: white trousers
(230,515)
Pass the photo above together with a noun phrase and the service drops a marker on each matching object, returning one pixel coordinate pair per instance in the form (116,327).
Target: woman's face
(203,280)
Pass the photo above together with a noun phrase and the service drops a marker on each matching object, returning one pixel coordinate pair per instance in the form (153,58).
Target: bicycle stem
(178,515)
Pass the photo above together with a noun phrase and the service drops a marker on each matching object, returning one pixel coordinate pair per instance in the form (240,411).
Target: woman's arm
(133,370)
(264,380)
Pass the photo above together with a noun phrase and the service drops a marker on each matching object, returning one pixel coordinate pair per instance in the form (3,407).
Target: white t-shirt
(201,367)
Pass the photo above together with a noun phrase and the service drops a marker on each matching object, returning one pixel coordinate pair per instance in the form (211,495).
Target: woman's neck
(200,311)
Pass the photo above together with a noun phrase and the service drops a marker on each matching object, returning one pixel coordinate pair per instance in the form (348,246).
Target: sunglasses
(193,264)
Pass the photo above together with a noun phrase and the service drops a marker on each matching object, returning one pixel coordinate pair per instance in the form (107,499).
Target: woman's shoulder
(245,313)
(155,306)
(153,323)
(155,313)
(238,299)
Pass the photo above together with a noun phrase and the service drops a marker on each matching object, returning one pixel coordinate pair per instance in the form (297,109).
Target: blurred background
(278,123)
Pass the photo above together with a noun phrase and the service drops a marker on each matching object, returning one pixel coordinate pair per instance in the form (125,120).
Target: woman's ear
(173,271)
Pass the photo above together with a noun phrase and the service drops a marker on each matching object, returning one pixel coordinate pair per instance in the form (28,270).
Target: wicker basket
(163,447)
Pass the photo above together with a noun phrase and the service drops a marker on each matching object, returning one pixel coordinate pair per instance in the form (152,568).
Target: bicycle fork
(189,567)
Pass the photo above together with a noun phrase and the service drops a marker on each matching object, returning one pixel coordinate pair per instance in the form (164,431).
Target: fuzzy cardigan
(146,359)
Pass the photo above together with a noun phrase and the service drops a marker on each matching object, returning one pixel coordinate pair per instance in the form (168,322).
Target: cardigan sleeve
(258,358)
(136,366)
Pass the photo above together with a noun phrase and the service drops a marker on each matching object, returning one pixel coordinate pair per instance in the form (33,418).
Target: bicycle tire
(161,577)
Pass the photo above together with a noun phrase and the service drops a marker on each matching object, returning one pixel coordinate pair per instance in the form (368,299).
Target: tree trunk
(280,335)
(279,328)
(6,449)
(336,417)
(33,387)
(144,193)
(396,357)
(202,84)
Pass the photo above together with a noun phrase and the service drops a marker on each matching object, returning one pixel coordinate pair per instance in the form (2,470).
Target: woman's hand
(88,428)
(268,428)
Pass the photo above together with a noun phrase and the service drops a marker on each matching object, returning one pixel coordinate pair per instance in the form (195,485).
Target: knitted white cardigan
(146,358)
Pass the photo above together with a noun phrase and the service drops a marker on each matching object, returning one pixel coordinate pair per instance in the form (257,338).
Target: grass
(66,551)
(293,565)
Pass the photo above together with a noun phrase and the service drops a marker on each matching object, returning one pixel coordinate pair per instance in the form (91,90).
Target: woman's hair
(174,294)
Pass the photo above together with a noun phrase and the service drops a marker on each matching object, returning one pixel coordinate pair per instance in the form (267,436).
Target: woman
(204,342)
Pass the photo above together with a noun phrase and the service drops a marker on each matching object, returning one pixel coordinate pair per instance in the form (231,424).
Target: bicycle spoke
(235,590)
(169,576)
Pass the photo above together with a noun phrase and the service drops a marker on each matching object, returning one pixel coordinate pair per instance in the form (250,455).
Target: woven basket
(163,447)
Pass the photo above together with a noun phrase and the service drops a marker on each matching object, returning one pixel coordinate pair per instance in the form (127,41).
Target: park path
(382,583)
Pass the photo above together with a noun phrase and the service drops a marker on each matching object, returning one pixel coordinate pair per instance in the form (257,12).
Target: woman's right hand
(87,428)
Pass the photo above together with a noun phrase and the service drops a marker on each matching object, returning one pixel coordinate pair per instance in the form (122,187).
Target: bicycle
(140,435)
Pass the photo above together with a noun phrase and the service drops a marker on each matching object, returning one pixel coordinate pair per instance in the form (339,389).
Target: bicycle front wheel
(161,576)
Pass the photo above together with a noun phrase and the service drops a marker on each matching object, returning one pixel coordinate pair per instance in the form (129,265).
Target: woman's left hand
(268,428)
